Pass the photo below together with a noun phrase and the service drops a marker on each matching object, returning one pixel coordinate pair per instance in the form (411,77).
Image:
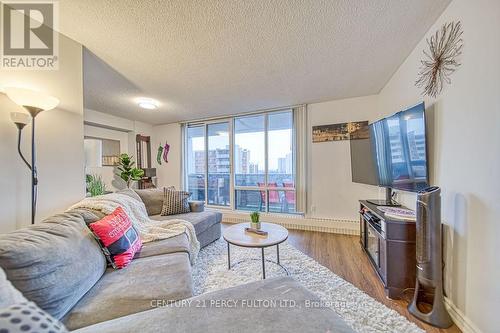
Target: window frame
(185,156)
(229,129)
(185,177)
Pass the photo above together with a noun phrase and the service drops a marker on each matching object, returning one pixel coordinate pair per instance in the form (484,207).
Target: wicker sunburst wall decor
(441,59)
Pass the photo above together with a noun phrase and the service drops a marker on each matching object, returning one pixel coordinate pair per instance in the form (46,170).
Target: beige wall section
(59,138)
(465,161)
(106,126)
(108,172)
(10,181)
(331,193)
(168,173)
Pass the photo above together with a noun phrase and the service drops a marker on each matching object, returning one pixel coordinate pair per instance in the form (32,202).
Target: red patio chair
(289,195)
(274,196)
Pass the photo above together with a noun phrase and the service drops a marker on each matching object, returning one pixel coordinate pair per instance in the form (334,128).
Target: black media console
(390,246)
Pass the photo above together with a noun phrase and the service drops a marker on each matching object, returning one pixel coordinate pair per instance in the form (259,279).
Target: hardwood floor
(343,255)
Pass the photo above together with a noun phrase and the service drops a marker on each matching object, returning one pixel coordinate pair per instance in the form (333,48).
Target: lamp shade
(27,97)
(20,118)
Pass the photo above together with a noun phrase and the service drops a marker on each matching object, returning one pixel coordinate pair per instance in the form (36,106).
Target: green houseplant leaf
(127,171)
(95,185)
(255,217)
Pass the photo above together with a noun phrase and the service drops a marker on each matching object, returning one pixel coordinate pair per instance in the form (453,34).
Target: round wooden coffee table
(236,235)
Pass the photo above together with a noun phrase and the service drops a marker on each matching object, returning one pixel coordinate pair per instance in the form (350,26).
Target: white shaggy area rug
(360,311)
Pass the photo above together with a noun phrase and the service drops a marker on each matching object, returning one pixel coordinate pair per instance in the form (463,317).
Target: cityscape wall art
(344,131)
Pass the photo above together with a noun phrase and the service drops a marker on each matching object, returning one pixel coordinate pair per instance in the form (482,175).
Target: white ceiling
(216,57)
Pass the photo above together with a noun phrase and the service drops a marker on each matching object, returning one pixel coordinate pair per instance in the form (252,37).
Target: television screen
(395,155)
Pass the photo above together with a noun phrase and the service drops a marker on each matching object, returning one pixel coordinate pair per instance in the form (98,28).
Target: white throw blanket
(149,230)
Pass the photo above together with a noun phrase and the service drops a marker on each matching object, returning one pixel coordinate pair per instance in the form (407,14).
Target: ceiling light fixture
(147,103)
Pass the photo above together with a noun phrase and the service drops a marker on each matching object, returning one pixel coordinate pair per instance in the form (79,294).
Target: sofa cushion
(118,238)
(46,262)
(131,193)
(175,202)
(123,292)
(153,199)
(88,215)
(196,206)
(236,310)
(29,318)
(201,221)
(174,244)
(9,294)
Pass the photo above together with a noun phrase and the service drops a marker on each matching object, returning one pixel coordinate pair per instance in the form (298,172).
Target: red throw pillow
(117,237)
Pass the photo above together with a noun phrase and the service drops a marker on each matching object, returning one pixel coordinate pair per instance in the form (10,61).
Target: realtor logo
(29,36)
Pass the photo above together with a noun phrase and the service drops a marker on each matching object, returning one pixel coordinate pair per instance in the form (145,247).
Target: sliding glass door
(250,162)
(218,164)
(264,162)
(281,163)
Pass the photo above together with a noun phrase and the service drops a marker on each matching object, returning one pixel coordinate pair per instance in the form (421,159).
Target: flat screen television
(395,154)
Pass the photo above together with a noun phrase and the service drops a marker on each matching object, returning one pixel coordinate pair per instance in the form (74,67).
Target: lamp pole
(34,111)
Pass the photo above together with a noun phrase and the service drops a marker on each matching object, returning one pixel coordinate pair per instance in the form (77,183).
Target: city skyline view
(252,136)
(280,143)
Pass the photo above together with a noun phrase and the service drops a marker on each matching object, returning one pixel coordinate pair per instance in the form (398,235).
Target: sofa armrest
(196,206)
(153,199)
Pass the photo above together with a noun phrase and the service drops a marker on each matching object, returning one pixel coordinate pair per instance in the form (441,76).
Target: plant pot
(255,225)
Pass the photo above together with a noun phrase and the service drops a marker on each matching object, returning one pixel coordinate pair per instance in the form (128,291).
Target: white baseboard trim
(297,222)
(458,317)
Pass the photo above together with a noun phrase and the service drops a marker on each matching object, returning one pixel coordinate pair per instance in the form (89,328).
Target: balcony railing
(250,191)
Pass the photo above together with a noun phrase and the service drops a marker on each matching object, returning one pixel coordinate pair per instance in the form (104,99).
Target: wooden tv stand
(390,247)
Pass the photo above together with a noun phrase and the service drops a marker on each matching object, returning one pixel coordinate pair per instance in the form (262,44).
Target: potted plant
(95,185)
(255,224)
(126,169)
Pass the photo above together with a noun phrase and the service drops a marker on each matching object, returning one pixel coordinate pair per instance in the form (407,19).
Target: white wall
(465,160)
(93,117)
(331,193)
(59,135)
(169,174)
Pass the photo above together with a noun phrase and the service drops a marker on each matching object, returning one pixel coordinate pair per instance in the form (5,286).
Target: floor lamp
(34,102)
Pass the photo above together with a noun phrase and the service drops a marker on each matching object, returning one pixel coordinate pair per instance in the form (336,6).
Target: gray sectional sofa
(58,265)
(206,223)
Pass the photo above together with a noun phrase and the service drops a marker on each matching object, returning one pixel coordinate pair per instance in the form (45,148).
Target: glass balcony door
(264,162)
(281,163)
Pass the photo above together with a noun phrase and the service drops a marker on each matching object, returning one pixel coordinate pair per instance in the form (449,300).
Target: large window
(245,163)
